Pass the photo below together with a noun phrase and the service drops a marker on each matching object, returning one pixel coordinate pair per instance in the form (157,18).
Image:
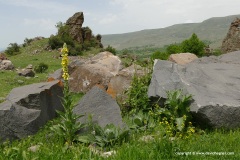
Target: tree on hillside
(193,45)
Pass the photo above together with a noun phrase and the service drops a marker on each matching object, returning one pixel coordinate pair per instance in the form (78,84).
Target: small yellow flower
(192,130)
(64,50)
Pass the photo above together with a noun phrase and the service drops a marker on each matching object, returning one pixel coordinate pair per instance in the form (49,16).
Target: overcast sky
(20,19)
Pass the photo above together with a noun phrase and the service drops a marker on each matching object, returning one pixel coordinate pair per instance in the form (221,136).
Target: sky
(20,19)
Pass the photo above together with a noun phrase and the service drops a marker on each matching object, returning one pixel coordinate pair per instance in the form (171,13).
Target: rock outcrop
(79,33)
(75,24)
(28,108)
(232,41)
(182,58)
(212,81)
(101,106)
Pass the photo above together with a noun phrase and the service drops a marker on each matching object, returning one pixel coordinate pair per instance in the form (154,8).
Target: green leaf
(85,139)
(180,123)
(138,121)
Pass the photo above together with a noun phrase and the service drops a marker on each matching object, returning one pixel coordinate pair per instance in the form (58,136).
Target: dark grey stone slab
(28,108)
(214,83)
(101,106)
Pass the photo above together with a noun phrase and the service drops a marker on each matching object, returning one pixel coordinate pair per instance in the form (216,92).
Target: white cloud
(46,24)
(110,18)
(43,5)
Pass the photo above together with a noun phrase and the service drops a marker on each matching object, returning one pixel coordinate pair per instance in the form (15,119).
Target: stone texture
(232,40)
(57,75)
(26,72)
(75,24)
(6,65)
(122,81)
(87,76)
(213,82)
(3,56)
(98,70)
(182,58)
(28,108)
(101,106)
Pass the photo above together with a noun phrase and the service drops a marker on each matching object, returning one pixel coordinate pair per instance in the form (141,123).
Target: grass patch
(10,79)
(51,147)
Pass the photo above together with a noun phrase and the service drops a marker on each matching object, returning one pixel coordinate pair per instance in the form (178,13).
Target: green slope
(213,30)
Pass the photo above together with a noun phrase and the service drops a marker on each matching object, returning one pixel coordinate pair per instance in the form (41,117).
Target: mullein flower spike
(64,63)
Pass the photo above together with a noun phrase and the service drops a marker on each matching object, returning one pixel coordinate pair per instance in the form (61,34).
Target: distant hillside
(212,30)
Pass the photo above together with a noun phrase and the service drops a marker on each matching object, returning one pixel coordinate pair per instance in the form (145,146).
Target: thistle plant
(68,125)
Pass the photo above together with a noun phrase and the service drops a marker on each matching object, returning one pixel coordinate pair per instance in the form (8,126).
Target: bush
(175,115)
(41,67)
(12,49)
(27,42)
(217,52)
(55,42)
(111,49)
(174,48)
(159,55)
(193,45)
(137,98)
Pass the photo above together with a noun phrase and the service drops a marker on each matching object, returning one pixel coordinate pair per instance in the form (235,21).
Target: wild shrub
(217,52)
(193,45)
(12,49)
(137,98)
(27,42)
(107,136)
(174,48)
(40,68)
(159,55)
(175,114)
(111,49)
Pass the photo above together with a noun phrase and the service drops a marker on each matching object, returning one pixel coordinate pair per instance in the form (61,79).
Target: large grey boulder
(103,108)
(214,83)
(28,108)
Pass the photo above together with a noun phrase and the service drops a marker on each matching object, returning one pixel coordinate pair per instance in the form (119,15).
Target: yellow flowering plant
(68,125)
(175,116)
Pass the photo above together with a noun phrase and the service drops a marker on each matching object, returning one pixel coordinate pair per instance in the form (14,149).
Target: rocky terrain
(232,40)
(212,81)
